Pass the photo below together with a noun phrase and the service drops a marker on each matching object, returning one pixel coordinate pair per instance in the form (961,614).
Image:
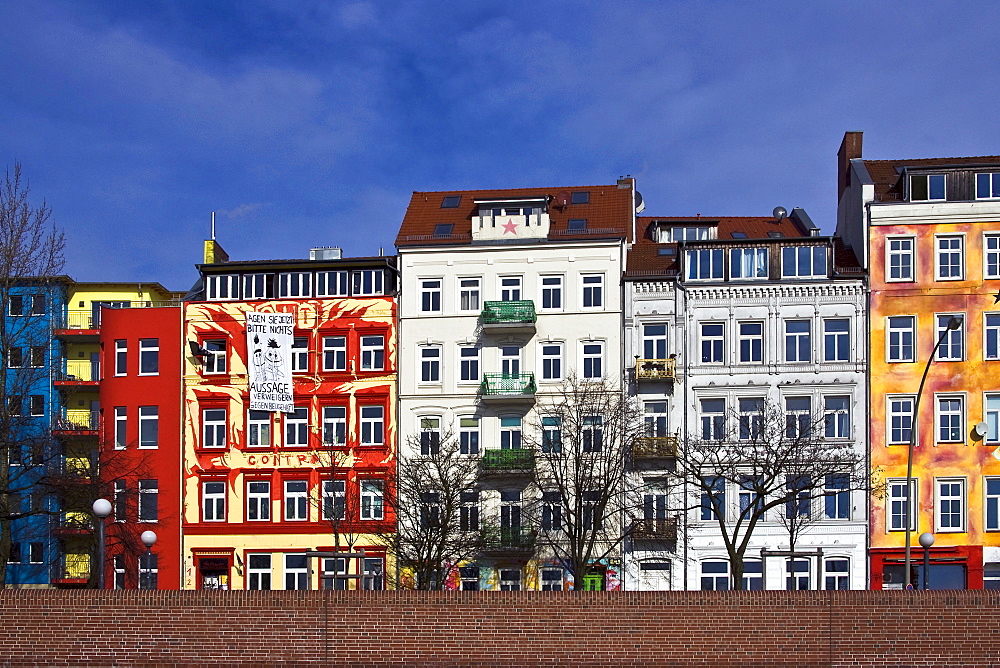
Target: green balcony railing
(502,461)
(507,384)
(513,539)
(509,313)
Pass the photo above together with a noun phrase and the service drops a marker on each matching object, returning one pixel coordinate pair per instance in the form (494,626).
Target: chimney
(850,149)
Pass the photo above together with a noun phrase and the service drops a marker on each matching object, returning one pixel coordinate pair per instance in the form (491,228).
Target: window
(552,361)
(149,357)
(334,425)
(430,364)
(712,341)
(258,501)
(148,500)
(798,417)
(121,427)
(593,433)
(296,500)
(991,259)
(688,234)
(748,263)
(837,340)
(593,354)
(223,286)
(655,418)
(551,511)
(896,499)
(430,509)
(837,416)
(148,570)
(992,410)
(468,363)
(713,498)
(213,501)
(797,345)
(213,428)
(551,434)
(14,556)
(799,503)
(991,502)
(899,335)
(468,516)
(753,575)
(469,293)
(334,499)
(950,506)
(751,341)
(580,197)
(751,418)
(295,284)
(373,570)
(950,419)
(552,579)
(988,185)
(797,574)
(552,292)
(430,295)
(899,259)
(803,262)
(430,436)
(120,501)
(335,353)
(15,357)
(927,187)
(713,419)
(118,563)
(15,405)
(36,405)
(751,502)
(654,341)
(510,432)
(372,425)
(950,261)
(149,422)
(510,288)
(510,360)
(215,361)
(38,304)
(714,575)
(372,353)
(367,282)
(36,358)
(470,578)
(121,357)
(332,284)
(259,571)
(593,291)
(258,286)
(296,571)
(371,499)
(900,419)
(468,435)
(992,332)
(952,340)
(451,201)
(443,229)
(258,429)
(703,264)
(297,427)
(300,354)
(510,579)
(837,573)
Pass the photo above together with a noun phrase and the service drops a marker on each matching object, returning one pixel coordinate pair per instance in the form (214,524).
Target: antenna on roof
(213,226)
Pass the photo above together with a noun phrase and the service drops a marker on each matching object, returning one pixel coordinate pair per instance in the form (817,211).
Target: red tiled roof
(886,174)
(608,214)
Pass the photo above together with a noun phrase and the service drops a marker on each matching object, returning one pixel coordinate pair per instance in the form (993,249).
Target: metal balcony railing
(655,529)
(656,369)
(509,313)
(71,569)
(506,461)
(91,319)
(78,421)
(508,385)
(508,541)
(654,447)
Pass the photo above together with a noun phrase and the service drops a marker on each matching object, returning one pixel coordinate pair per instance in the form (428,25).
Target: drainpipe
(678,310)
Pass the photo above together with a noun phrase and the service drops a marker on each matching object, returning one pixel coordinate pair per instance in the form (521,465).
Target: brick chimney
(850,149)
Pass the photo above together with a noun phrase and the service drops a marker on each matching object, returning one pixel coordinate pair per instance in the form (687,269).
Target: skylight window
(739,235)
(775,235)
(451,201)
(580,197)
(577,224)
(443,229)
(670,250)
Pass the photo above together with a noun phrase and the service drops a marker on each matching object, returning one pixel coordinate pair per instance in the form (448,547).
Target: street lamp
(148,539)
(953,324)
(101,508)
(926,540)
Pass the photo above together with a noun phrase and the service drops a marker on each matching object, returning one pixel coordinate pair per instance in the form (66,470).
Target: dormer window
(451,201)
(668,251)
(927,187)
(577,224)
(803,262)
(580,197)
(988,185)
(689,233)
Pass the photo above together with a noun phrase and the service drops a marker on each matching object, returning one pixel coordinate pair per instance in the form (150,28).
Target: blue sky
(309,123)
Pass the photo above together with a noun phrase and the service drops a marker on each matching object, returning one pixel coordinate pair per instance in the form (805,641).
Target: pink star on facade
(510,226)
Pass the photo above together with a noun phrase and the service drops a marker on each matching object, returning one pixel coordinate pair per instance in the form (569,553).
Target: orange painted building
(928,231)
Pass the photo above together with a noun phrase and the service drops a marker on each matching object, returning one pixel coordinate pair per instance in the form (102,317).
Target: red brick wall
(856,628)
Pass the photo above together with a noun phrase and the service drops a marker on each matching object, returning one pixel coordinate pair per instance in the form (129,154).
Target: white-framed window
(149,426)
(552,355)
(753,575)
(297,427)
(593,290)
(714,575)
(259,571)
(300,354)
(468,512)
(798,417)
(36,359)
(470,578)
(510,432)
(510,360)
(372,353)
(900,422)
(991,410)
(713,498)
(713,340)
(988,185)
(295,284)
(430,295)
(687,233)
(654,418)
(751,342)
(510,288)
(654,341)
(332,284)
(837,497)
(927,187)
(371,499)
(15,357)
(751,417)
(149,494)
(223,286)
(120,500)
(258,429)
(296,500)
(991,335)
(149,571)
(950,418)
(991,575)
(552,579)
(296,571)
(121,357)
(713,419)
(952,346)
(552,287)
(837,416)
(334,499)
(551,434)
(836,339)
(213,502)
(373,570)
(950,257)
(896,504)
(121,427)
(367,282)
(799,503)
(215,360)
(430,436)
(991,502)
(469,294)
(118,562)
(149,357)
(36,405)
(899,259)
(334,425)
(468,364)
(258,286)
(593,433)
(468,435)
(430,364)
(213,422)
(798,343)
(803,262)
(593,359)
(745,263)
(372,425)
(258,501)
(798,574)
(991,256)
(704,264)
(510,579)
(837,573)
(900,338)
(949,508)
(335,353)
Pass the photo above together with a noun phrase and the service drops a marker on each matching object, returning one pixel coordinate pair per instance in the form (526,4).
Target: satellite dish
(562,199)
(980,429)
(779,213)
(640,206)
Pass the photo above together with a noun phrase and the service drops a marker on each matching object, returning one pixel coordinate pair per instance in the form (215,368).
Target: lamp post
(953,324)
(101,508)
(926,540)
(148,539)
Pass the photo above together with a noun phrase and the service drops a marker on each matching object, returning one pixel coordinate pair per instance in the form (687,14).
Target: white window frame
(748,263)
(714,580)
(592,360)
(334,502)
(121,357)
(991,415)
(837,499)
(716,343)
(149,418)
(259,571)
(949,418)
(896,338)
(214,431)
(333,284)
(215,361)
(469,434)
(754,354)
(891,415)
(469,364)
(296,500)
(841,341)
(150,492)
(551,354)
(334,353)
(927,178)
(259,429)
(991,503)
(509,288)
(954,337)
(213,501)
(991,336)
(510,360)
(940,252)
(839,578)
(798,416)
(950,505)
(796,338)
(470,294)
(705,264)
(372,492)
(334,425)
(793,261)
(372,425)
(300,354)
(296,577)
(552,292)
(149,349)
(991,256)
(258,286)
(430,365)
(430,435)
(222,287)
(592,292)
(258,500)
(894,485)
(372,352)
(431,295)
(121,427)
(511,434)
(900,254)
(367,282)
(837,421)
(713,423)
(294,284)
(992,182)
(654,345)
(296,431)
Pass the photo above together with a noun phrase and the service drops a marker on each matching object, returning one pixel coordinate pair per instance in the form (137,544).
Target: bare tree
(31,257)
(775,461)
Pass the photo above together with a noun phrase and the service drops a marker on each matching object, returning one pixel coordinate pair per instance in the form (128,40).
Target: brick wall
(856,628)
